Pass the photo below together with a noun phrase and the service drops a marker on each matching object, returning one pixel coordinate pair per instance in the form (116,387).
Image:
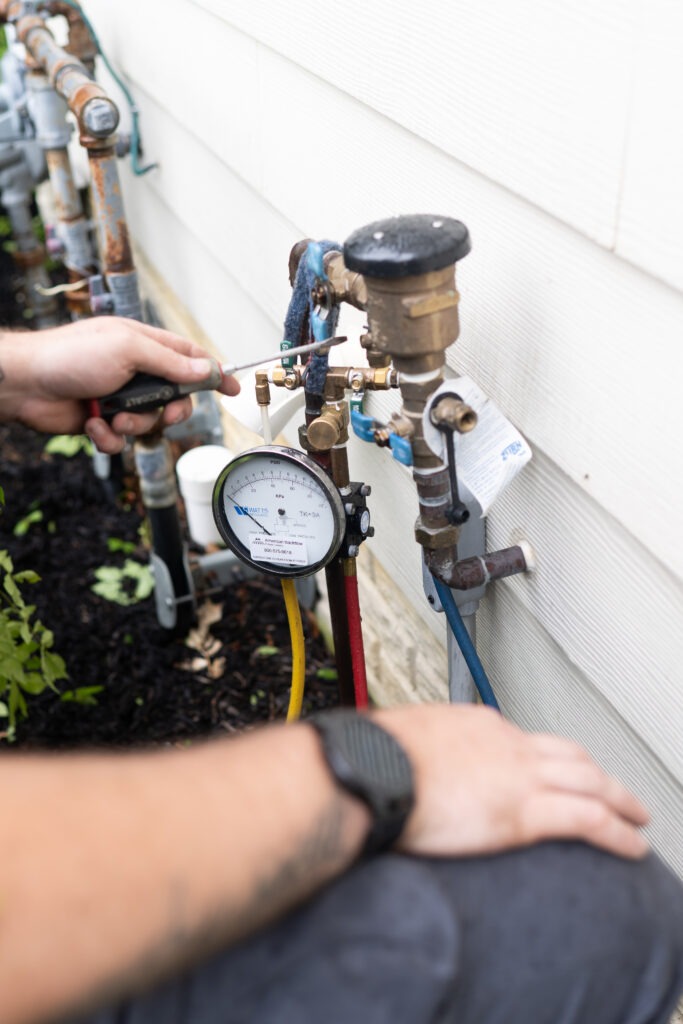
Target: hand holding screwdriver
(145,392)
(47,377)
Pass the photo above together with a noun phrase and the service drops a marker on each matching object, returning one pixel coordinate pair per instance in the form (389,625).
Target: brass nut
(435,538)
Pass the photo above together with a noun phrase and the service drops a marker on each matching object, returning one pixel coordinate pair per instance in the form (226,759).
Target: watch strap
(368,762)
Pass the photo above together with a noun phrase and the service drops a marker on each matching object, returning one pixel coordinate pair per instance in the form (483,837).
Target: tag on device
(491,455)
(264,547)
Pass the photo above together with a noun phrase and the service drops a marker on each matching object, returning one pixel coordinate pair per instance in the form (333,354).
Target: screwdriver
(145,392)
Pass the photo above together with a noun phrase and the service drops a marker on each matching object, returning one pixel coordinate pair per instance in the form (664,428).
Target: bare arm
(119,869)
(45,376)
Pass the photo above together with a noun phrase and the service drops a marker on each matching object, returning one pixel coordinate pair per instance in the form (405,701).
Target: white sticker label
(278,550)
(491,455)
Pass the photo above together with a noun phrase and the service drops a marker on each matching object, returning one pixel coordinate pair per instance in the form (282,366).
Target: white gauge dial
(279,511)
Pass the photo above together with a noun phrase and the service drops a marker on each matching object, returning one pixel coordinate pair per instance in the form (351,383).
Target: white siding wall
(552,131)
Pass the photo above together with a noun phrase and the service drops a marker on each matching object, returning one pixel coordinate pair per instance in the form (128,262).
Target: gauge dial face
(279,511)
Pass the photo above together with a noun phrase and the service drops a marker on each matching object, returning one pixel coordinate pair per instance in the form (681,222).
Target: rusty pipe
(81,43)
(95,111)
(469,573)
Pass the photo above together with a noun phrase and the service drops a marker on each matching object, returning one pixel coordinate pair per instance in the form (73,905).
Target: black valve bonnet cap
(406,246)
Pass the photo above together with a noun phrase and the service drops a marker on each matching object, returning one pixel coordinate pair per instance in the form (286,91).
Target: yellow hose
(296,632)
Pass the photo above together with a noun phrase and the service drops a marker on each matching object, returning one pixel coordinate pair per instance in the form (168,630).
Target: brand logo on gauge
(250,510)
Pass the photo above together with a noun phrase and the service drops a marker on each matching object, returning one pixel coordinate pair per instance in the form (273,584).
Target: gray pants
(557,934)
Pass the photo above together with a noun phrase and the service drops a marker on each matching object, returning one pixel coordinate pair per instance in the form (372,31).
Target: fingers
(134,328)
(179,360)
(103,437)
(553,815)
(230,386)
(548,745)
(585,778)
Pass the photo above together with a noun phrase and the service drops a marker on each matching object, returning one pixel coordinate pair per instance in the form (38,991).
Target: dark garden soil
(155,690)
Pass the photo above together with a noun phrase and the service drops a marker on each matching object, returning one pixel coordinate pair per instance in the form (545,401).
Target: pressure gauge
(279,511)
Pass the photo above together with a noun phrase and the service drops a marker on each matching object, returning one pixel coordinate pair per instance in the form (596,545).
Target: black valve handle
(145,392)
(405,246)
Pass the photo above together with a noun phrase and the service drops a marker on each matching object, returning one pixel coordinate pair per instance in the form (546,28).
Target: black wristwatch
(370,764)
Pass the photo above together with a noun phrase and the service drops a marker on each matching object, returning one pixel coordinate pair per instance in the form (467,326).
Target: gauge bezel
(322,479)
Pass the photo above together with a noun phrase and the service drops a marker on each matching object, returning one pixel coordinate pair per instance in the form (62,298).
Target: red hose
(360,682)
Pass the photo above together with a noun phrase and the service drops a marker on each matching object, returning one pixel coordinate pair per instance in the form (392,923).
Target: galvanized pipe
(114,242)
(96,113)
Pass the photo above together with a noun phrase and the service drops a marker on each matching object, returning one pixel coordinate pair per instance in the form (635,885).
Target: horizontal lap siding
(540,688)
(530,94)
(264,137)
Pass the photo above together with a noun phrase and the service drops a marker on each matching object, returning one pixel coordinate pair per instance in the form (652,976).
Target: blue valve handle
(401,449)
(364,427)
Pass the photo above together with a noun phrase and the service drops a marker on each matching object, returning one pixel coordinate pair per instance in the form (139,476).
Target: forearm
(127,867)
(15,373)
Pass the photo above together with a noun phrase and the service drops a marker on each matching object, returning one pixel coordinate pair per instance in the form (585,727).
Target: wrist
(15,373)
(368,763)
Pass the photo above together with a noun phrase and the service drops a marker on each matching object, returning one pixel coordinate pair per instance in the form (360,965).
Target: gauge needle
(245,513)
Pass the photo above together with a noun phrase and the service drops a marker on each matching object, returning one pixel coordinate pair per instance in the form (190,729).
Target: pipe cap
(406,246)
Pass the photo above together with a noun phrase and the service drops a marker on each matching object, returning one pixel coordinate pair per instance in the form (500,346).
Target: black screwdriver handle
(145,392)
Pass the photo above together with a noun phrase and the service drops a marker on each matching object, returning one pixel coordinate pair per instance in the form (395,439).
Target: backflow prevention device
(290,513)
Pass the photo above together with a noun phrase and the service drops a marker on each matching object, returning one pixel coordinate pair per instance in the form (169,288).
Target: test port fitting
(451,413)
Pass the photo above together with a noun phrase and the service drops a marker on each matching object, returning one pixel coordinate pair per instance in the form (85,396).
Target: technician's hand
(48,375)
(483,786)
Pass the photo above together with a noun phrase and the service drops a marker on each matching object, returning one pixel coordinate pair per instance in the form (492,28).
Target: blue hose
(469,653)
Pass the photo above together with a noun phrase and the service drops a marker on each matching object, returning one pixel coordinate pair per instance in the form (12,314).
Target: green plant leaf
(12,669)
(68,445)
(33,683)
(85,695)
(22,526)
(266,651)
(2,496)
(26,576)
(27,665)
(329,674)
(52,667)
(116,544)
(131,583)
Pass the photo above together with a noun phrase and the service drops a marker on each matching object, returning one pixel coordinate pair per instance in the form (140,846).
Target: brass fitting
(401,425)
(453,413)
(287,378)
(435,538)
(347,286)
(374,356)
(329,428)
(262,387)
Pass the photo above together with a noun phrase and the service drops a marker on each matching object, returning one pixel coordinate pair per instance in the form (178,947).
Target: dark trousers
(557,934)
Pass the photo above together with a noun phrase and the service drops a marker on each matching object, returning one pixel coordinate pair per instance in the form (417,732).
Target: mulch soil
(156,690)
